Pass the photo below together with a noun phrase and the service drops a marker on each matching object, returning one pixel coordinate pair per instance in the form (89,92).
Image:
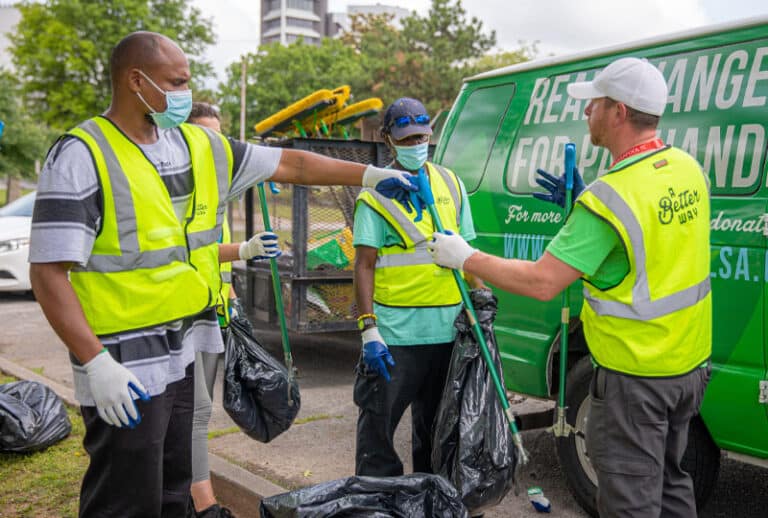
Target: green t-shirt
(410,326)
(592,246)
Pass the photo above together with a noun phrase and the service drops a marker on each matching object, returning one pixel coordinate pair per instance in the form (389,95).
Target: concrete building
(285,21)
(9,17)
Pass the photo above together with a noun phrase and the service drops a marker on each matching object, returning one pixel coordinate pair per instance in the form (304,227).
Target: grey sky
(560,26)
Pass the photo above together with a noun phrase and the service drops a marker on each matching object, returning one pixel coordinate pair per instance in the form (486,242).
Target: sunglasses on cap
(405,120)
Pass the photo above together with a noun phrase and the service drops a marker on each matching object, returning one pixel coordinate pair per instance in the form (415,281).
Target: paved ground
(321,447)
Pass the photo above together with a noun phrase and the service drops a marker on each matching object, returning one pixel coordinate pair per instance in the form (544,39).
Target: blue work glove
(556,187)
(376,353)
(261,246)
(390,183)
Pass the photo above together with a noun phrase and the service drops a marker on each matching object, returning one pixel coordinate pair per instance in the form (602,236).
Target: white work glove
(261,246)
(111,385)
(449,250)
(389,182)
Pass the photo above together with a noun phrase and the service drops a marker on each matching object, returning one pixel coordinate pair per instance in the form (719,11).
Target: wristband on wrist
(366,320)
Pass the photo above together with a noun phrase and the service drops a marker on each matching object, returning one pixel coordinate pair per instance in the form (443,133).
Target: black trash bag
(32,417)
(406,496)
(472,444)
(256,386)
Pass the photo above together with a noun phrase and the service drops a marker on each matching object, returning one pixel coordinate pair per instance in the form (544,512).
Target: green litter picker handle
(561,428)
(276,285)
(425,193)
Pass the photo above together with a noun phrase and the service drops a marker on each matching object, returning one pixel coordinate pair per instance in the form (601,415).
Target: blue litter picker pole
(425,195)
(276,286)
(561,428)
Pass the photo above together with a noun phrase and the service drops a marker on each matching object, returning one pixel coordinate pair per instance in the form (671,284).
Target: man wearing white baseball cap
(639,238)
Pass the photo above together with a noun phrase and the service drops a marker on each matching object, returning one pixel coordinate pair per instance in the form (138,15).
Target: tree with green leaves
(280,75)
(495,60)
(61,50)
(389,66)
(449,42)
(24,139)
(427,59)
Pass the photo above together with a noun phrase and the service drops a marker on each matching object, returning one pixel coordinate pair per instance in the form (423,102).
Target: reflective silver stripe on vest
(133,260)
(203,238)
(402,219)
(222,173)
(417,257)
(405,222)
(226,277)
(125,213)
(642,307)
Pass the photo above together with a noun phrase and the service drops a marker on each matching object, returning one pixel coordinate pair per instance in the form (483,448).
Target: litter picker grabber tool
(276,285)
(425,198)
(561,428)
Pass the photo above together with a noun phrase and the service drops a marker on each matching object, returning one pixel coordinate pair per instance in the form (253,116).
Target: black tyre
(701,458)
(572,450)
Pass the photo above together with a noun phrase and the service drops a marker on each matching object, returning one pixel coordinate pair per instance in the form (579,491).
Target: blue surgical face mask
(178,105)
(412,157)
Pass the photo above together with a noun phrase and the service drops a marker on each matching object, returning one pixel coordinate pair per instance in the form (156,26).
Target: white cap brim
(584,90)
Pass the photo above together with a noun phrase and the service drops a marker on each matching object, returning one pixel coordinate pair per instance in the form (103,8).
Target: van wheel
(701,458)
(572,450)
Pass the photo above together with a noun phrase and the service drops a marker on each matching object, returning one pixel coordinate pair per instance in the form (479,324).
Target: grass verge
(44,483)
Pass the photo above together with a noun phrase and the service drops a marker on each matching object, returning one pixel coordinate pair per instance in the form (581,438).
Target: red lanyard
(656,143)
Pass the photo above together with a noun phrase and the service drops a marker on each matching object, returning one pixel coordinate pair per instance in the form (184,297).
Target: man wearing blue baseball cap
(407,304)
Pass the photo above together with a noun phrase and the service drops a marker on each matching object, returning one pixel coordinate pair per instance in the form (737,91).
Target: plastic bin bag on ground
(257,393)
(32,417)
(472,445)
(407,496)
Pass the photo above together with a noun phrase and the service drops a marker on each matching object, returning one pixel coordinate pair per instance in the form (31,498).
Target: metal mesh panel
(315,229)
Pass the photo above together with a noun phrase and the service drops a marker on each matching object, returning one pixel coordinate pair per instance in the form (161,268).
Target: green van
(508,122)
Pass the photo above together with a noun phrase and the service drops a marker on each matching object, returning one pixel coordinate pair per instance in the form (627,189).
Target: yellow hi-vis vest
(147,267)
(222,307)
(405,274)
(658,320)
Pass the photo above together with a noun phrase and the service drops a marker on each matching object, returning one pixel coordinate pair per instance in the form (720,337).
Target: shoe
(215,511)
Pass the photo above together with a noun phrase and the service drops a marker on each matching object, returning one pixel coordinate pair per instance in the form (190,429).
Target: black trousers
(144,472)
(418,378)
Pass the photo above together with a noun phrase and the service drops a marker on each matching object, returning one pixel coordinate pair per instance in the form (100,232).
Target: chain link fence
(315,229)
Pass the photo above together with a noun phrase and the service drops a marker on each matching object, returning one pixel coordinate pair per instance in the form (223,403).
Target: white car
(15,226)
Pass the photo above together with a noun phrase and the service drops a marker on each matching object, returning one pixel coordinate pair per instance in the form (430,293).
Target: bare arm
(62,308)
(229,252)
(542,279)
(305,168)
(365,264)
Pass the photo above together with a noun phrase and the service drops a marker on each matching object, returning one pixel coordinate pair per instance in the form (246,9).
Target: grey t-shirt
(67,218)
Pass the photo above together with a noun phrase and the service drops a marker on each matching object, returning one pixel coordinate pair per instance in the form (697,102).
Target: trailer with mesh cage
(315,229)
